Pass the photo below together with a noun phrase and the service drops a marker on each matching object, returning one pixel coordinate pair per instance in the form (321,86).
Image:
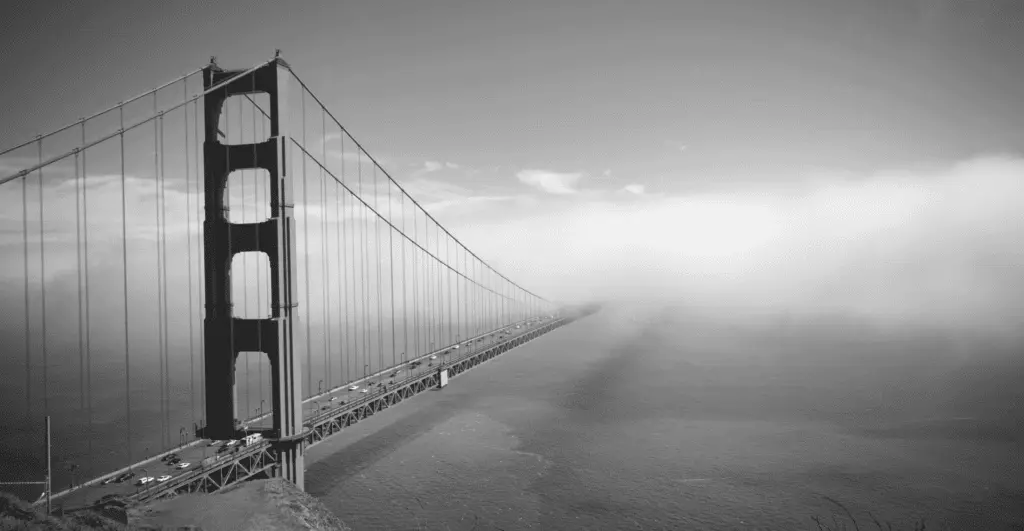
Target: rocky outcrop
(272,504)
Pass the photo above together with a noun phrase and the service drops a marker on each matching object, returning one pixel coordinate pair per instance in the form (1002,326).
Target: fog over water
(762,347)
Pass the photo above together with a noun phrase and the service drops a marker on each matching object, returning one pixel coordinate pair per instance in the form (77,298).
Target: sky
(791,154)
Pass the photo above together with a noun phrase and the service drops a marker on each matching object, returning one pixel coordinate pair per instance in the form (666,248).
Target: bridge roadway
(324,415)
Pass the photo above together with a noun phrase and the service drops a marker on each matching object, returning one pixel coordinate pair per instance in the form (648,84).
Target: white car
(333,398)
(215,443)
(353,387)
(143,481)
(182,466)
(456,346)
(365,391)
(433,357)
(232,443)
(163,478)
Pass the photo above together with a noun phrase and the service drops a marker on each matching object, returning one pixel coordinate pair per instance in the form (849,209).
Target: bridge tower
(226,336)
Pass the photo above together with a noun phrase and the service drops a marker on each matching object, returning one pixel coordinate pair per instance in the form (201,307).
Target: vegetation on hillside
(18,515)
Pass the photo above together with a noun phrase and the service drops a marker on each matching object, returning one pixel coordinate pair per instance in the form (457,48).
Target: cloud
(451,166)
(637,189)
(549,181)
(431,166)
(939,248)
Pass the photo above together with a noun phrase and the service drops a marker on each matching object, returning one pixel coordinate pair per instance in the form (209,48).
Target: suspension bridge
(206,279)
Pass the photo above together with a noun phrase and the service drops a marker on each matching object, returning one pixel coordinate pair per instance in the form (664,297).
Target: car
(163,478)
(325,408)
(455,347)
(232,442)
(215,443)
(393,374)
(109,480)
(125,477)
(365,391)
(333,398)
(433,357)
(182,466)
(223,449)
(168,457)
(143,481)
(353,387)
(342,403)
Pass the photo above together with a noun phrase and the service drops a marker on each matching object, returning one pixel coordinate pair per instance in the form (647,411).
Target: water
(686,422)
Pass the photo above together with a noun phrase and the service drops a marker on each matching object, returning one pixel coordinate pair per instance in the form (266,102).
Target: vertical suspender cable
(42,286)
(163,238)
(405,289)
(428,286)
(364,275)
(416,281)
(245,256)
(305,236)
(78,278)
(380,282)
(230,253)
(124,258)
(324,264)
(391,262)
(346,295)
(159,272)
(28,309)
(88,336)
(446,283)
(325,249)
(257,206)
(188,254)
(200,184)
(443,339)
(341,299)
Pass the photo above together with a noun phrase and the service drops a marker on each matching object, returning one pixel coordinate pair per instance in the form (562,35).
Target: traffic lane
(373,386)
(150,468)
(195,454)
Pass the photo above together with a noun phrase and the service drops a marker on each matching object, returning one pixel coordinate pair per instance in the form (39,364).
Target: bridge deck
(324,415)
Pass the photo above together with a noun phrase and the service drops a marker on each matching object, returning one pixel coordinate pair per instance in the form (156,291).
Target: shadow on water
(326,474)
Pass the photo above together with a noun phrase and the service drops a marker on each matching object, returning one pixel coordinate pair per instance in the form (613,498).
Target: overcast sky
(858,154)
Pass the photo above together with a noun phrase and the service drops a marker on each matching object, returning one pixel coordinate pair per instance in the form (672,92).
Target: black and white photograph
(469,265)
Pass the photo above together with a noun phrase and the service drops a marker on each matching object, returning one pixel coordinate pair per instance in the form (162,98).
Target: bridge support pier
(226,335)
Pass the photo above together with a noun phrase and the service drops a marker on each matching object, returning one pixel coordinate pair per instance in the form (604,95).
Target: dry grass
(17,515)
